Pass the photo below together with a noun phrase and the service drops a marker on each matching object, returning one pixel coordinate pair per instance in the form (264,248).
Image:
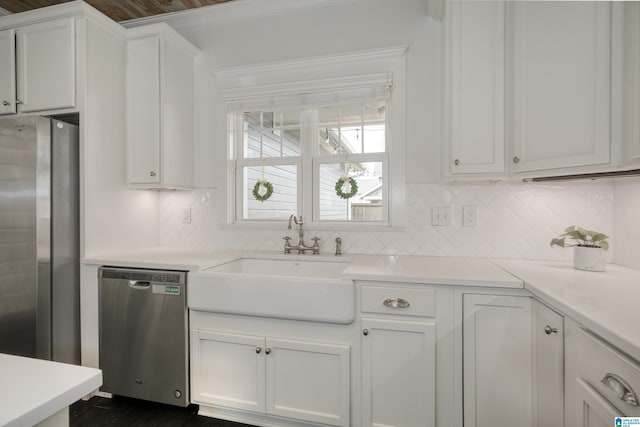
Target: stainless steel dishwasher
(144,334)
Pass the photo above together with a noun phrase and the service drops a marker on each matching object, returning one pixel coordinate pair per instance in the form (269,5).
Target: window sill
(282,226)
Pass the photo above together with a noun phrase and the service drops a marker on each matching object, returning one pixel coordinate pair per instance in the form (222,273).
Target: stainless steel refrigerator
(39,239)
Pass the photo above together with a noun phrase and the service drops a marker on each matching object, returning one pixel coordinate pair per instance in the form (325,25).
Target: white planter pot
(589,259)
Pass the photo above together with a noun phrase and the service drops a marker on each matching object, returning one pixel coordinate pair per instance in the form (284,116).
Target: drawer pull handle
(396,303)
(550,330)
(621,388)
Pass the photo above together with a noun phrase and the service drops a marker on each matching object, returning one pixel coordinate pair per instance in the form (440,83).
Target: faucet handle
(287,244)
(315,240)
(316,245)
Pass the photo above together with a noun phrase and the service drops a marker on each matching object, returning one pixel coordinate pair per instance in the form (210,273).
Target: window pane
(358,128)
(282,203)
(365,205)
(271,134)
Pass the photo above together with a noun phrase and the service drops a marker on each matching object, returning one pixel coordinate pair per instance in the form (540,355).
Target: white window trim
(390,61)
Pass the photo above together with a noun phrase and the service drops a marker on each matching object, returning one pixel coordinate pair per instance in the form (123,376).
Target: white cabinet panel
(228,370)
(476,95)
(7,72)
(549,361)
(561,57)
(308,381)
(497,361)
(398,373)
(46,65)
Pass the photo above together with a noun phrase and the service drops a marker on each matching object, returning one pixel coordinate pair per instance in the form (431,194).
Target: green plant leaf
(598,237)
(558,242)
(604,245)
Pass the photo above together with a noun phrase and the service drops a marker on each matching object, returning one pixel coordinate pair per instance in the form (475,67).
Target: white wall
(626,231)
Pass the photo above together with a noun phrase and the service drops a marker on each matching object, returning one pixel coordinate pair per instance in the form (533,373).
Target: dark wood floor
(123,411)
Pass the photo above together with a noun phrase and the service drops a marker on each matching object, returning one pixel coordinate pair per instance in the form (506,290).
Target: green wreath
(340,184)
(267,194)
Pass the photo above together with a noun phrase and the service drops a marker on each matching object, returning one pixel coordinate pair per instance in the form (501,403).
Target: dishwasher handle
(139,284)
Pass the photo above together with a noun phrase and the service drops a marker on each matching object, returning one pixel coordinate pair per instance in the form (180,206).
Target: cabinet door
(475,48)
(632,77)
(7,72)
(176,115)
(308,381)
(228,370)
(549,361)
(143,111)
(593,410)
(561,84)
(497,361)
(46,65)
(398,373)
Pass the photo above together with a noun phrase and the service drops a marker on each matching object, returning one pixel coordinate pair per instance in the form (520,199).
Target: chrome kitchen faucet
(300,247)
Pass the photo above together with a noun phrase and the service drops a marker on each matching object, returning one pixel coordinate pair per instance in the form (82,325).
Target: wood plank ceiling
(118,10)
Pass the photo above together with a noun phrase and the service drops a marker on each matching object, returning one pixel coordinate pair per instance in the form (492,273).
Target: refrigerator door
(19,258)
(65,248)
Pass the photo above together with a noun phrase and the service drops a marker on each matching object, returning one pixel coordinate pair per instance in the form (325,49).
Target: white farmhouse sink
(310,290)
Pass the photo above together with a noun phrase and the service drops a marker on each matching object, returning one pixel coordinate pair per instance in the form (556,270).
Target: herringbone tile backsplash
(514,221)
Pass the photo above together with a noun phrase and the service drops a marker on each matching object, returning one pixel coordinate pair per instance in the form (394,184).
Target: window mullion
(308,139)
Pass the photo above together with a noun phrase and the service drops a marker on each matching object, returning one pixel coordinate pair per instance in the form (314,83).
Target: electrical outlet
(470,216)
(186,215)
(441,216)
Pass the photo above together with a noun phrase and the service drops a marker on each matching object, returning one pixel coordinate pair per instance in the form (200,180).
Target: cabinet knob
(365,332)
(258,350)
(516,159)
(456,162)
(267,350)
(152,173)
(549,330)
(18,102)
(6,103)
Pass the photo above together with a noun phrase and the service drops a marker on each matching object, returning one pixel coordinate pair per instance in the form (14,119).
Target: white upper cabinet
(7,72)
(561,84)
(159,108)
(38,67)
(632,79)
(475,87)
(46,65)
(535,88)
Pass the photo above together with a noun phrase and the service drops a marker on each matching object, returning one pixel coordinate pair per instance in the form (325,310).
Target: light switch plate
(186,215)
(470,215)
(441,216)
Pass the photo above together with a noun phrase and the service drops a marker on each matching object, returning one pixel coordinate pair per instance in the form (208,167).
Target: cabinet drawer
(610,372)
(398,300)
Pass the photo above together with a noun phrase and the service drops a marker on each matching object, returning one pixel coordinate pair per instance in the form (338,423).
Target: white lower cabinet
(498,361)
(548,341)
(289,378)
(398,373)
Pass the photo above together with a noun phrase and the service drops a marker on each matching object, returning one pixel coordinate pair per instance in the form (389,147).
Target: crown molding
(4,12)
(321,61)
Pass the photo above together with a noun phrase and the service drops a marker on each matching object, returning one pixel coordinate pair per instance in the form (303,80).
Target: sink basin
(311,290)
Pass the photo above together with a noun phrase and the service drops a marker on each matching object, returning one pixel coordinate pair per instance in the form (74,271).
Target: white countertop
(407,269)
(607,303)
(33,390)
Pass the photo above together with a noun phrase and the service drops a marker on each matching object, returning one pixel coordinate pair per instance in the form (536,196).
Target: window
(290,151)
